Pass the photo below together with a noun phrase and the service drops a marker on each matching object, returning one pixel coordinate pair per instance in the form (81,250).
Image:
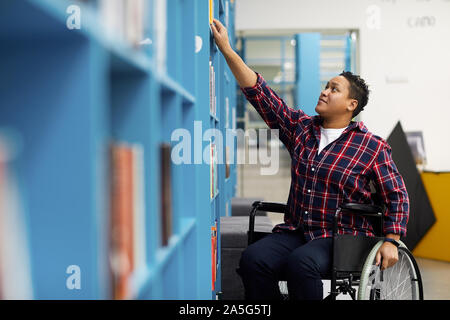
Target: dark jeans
(285,256)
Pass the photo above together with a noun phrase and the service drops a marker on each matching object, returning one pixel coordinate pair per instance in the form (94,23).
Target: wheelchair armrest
(262,206)
(270,206)
(363,209)
(368,210)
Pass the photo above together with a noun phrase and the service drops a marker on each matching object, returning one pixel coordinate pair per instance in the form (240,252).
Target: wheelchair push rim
(399,282)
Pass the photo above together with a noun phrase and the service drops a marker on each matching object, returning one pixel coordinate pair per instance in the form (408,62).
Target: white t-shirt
(327,136)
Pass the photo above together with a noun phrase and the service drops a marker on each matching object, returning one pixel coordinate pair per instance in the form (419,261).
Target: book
(227,209)
(166,193)
(112,18)
(15,268)
(212,90)
(210,87)
(211,169)
(214,255)
(124,21)
(216,180)
(134,20)
(211,11)
(233,118)
(227,112)
(227,162)
(128,241)
(122,242)
(160,26)
(227,14)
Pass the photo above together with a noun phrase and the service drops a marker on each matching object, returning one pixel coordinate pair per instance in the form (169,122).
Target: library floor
(435,274)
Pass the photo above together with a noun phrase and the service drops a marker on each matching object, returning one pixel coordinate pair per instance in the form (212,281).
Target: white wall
(407,68)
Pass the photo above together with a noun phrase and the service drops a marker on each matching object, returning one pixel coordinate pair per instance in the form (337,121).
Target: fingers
(392,261)
(213,28)
(386,256)
(218,24)
(378,258)
(385,264)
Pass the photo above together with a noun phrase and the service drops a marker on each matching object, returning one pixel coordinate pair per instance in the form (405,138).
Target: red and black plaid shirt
(339,174)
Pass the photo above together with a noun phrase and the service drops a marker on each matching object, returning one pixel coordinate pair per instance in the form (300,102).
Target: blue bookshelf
(67,94)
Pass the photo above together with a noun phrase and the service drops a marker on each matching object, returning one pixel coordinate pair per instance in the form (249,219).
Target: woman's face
(334,100)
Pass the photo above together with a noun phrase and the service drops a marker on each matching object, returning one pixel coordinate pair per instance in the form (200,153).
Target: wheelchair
(353,263)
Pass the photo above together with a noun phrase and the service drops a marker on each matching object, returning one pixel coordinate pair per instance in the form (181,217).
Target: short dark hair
(358,90)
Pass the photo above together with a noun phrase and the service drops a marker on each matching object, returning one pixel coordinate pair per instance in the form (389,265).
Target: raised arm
(245,76)
(272,108)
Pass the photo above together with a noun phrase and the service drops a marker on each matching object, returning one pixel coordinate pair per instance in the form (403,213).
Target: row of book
(214,159)
(131,21)
(213,153)
(227,11)
(123,20)
(128,247)
(127,21)
(128,233)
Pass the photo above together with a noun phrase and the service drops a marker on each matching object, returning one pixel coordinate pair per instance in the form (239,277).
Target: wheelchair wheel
(399,282)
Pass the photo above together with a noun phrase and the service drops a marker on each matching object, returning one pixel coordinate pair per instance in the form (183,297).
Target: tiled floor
(435,278)
(275,188)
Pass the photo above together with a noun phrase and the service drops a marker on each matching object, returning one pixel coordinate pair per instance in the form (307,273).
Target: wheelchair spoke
(403,264)
(398,280)
(399,265)
(396,289)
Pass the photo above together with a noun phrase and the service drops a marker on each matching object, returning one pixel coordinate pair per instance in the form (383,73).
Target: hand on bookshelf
(245,76)
(221,37)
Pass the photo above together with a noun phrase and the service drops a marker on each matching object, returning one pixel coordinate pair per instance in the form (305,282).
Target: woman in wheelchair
(333,161)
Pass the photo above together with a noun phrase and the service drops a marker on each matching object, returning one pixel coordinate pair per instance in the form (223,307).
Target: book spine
(122,256)
(211,11)
(160,18)
(123,20)
(211,168)
(213,255)
(166,194)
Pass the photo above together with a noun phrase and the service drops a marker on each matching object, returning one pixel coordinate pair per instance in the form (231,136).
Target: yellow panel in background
(436,242)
